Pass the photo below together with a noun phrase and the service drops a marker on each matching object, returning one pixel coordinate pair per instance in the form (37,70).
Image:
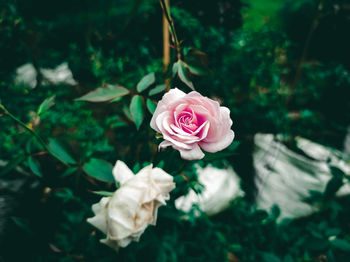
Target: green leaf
(333,231)
(46,105)
(32,145)
(196,61)
(146,82)
(158,89)
(341,244)
(34,166)
(269,257)
(236,248)
(103,94)
(175,68)
(183,75)
(126,111)
(337,171)
(59,152)
(29,145)
(23,224)
(195,70)
(69,171)
(136,110)
(103,193)
(99,169)
(151,106)
(275,211)
(116,99)
(334,184)
(229,151)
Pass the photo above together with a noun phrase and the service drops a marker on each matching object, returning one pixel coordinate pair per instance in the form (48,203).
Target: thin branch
(30,130)
(172,27)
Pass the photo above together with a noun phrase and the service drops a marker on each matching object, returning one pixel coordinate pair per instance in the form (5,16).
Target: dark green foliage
(252,67)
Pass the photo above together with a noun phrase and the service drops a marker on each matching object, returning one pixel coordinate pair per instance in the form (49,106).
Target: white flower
(124,216)
(221,187)
(286,178)
(26,75)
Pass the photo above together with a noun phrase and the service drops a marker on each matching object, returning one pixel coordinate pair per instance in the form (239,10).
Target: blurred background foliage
(280,66)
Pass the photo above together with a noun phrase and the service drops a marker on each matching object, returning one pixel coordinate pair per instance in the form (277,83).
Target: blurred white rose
(286,178)
(26,75)
(124,216)
(221,186)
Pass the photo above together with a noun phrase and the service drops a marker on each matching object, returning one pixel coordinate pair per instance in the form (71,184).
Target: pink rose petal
(191,122)
(193,154)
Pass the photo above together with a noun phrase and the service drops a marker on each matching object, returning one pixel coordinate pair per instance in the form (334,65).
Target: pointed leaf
(99,169)
(103,94)
(335,183)
(151,106)
(198,58)
(136,110)
(183,75)
(34,166)
(157,90)
(29,145)
(196,70)
(69,171)
(341,244)
(175,68)
(126,111)
(23,224)
(103,193)
(269,257)
(59,152)
(46,105)
(146,82)
(115,99)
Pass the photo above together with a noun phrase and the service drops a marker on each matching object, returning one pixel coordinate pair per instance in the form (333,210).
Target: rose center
(188,121)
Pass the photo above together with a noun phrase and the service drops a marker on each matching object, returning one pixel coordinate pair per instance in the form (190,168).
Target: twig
(31,131)
(172,27)
(28,128)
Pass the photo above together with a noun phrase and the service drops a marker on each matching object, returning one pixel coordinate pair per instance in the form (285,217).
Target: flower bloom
(124,216)
(191,122)
(221,186)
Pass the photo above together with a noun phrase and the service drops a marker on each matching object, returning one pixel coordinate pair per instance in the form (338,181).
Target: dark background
(282,67)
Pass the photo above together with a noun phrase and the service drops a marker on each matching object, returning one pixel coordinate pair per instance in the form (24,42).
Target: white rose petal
(286,178)
(221,186)
(125,216)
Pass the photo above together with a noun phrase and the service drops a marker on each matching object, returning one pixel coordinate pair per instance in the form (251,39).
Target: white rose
(286,178)
(124,216)
(221,186)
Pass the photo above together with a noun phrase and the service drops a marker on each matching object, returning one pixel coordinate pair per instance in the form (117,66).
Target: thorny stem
(172,27)
(30,129)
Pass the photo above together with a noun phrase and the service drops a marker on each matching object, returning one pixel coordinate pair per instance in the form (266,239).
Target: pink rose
(191,122)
